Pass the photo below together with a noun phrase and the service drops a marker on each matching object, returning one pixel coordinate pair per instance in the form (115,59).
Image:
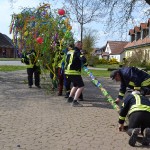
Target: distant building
(112,49)
(6,47)
(140,40)
(115,49)
(98,51)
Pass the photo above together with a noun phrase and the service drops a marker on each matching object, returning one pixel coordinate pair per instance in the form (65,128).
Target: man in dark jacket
(132,78)
(73,64)
(32,68)
(138,109)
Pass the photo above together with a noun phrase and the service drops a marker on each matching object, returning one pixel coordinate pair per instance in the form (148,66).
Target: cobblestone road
(37,119)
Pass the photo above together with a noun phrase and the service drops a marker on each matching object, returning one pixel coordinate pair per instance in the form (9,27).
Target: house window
(132,37)
(144,33)
(148,33)
(138,36)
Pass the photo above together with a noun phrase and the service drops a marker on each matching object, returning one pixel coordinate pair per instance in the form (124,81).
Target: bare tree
(117,15)
(124,14)
(85,11)
(89,40)
(148,1)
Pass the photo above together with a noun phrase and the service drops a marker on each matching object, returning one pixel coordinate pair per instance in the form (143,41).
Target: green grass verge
(10,59)
(11,68)
(107,66)
(98,73)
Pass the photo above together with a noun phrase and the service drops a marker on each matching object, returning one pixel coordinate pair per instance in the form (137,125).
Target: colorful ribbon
(103,90)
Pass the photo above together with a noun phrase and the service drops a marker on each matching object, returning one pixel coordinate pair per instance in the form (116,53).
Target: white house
(115,49)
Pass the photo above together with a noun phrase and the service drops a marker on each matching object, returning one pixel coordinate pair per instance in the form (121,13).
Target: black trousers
(36,71)
(139,119)
(67,83)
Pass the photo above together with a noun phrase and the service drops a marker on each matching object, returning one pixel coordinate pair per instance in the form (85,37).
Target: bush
(93,60)
(103,61)
(139,58)
(113,61)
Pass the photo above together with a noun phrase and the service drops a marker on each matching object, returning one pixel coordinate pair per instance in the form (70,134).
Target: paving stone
(40,120)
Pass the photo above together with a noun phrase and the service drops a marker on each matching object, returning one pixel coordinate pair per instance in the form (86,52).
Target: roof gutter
(138,46)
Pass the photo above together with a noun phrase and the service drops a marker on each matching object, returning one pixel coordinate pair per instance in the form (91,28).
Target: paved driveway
(13,63)
(38,119)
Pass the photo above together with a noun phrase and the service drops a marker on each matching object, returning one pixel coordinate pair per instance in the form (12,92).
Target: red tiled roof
(137,29)
(117,47)
(146,40)
(143,26)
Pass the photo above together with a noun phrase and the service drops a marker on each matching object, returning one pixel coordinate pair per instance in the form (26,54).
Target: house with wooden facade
(6,47)
(140,40)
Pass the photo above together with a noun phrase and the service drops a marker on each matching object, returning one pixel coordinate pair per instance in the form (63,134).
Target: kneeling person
(138,109)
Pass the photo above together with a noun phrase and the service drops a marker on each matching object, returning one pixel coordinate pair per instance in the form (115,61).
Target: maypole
(103,90)
(46,31)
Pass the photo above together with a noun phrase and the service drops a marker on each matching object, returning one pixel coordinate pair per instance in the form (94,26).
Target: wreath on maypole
(46,31)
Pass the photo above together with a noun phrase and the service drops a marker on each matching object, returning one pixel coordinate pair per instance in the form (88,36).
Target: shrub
(103,61)
(139,58)
(113,61)
(93,60)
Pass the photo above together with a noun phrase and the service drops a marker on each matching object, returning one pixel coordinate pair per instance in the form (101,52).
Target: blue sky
(6,11)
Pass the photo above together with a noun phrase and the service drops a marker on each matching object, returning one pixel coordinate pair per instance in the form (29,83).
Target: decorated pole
(103,90)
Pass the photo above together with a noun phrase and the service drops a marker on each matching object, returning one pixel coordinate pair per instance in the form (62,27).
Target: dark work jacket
(133,103)
(131,77)
(74,62)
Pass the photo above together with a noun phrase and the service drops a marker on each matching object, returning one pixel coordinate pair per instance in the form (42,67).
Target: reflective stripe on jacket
(133,78)
(138,106)
(73,62)
(133,103)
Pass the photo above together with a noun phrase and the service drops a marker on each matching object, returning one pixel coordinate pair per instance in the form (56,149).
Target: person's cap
(113,74)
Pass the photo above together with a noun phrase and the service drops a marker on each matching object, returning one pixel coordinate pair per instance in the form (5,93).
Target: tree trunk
(81,32)
(148,1)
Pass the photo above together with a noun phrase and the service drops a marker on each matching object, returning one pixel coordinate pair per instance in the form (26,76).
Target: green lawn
(98,73)
(107,66)
(11,68)
(10,59)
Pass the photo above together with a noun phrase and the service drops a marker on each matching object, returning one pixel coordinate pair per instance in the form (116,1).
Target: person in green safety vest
(137,107)
(29,58)
(73,64)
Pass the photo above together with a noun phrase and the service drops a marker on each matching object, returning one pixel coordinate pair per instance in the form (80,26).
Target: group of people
(66,68)
(135,105)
